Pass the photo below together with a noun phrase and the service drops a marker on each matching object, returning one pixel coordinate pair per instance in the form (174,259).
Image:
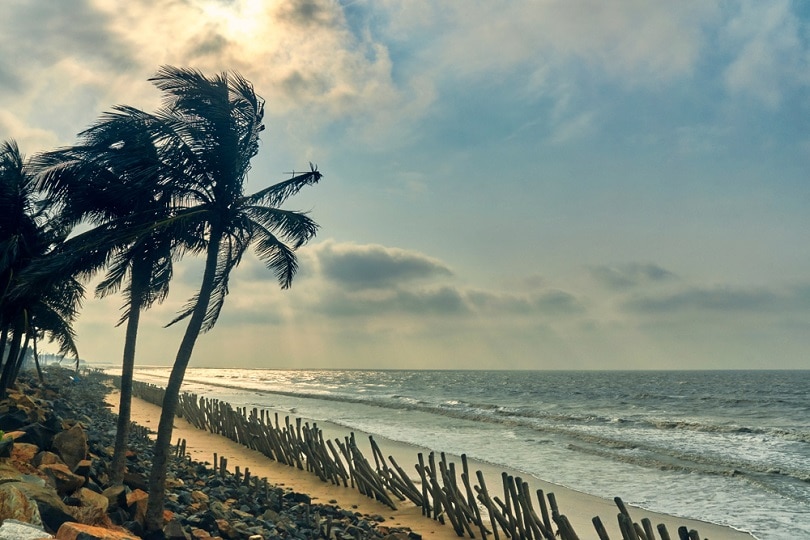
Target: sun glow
(238,19)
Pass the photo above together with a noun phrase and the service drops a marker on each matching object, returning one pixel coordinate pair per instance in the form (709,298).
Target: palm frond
(276,256)
(276,194)
(293,227)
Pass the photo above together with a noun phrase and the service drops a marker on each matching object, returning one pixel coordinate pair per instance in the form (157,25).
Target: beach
(579,507)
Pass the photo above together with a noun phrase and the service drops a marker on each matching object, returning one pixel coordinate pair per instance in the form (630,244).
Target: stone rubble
(54,459)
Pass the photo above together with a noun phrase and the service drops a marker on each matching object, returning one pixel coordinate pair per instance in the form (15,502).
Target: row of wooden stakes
(443,493)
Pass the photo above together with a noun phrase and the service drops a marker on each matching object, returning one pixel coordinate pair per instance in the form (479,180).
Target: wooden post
(649,532)
(541,500)
(600,528)
(626,526)
(420,468)
(483,496)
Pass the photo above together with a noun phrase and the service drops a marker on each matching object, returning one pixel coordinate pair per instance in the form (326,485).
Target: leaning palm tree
(27,235)
(210,133)
(21,216)
(113,179)
(50,312)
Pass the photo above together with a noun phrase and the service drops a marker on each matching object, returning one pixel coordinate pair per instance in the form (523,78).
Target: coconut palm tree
(210,133)
(113,179)
(27,235)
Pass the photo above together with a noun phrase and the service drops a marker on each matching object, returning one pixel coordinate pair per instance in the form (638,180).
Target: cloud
(302,56)
(770,52)
(308,13)
(373,266)
(441,301)
(723,300)
(631,41)
(629,275)
(549,302)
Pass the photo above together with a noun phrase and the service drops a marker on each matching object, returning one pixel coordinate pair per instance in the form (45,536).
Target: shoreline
(579,507)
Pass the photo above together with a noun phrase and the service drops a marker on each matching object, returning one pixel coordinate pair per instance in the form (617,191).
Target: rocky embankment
(54,459)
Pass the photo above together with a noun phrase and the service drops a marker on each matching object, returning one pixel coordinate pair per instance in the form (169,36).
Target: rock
(118,516)
(96,500)
(79,531)
(13,420)
(224,527)
(31,479)
(8,473)
(174,531)
(134,527)
(62,478)
(46,458)
(218,510)
(172,483)
(11,529)
(116,496)
(71,445)
(24,452)
(83,467)
(25,403)
(15,504)
(199,496)
(298,497)
(52,510)
(136,504)
(39,434)
(6,445)
(134,481)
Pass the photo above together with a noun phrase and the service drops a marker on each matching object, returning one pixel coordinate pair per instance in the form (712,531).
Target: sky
(508,184)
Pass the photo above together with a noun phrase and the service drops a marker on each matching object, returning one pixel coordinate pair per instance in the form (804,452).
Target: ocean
(728,447)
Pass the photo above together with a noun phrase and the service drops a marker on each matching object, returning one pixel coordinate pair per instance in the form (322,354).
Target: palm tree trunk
(21,356)
(11,360)
(157,476)
(138,285)
(36,361)
(3,342)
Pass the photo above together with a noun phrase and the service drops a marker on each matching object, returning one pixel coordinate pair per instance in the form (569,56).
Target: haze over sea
(729,447)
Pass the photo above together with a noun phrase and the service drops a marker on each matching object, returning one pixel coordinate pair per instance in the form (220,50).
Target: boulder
(174,531)
(15,504)
(38,434)
(46,458)
(24,452)
(11,529)
(92,499)
(78,531)
(62,479)
(8,473)
(13,420)
(71,445)
(116,496)
(135,481)
(136,504)
(51,508)
(83,468)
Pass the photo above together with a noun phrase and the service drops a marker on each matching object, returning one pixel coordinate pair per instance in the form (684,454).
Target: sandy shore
(580,508)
